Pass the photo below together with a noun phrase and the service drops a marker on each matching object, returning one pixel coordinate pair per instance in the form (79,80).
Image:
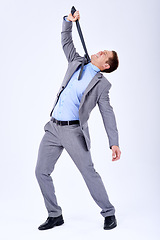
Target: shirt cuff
(65,18)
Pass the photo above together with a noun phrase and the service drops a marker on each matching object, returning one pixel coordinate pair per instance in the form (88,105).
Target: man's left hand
(116,153)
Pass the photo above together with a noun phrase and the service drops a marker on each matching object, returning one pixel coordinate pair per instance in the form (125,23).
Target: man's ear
(106,66)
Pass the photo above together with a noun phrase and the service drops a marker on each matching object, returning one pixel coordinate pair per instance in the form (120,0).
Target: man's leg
(74,143)
(49,151)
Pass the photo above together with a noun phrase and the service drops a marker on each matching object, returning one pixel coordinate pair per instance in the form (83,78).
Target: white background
(32,67)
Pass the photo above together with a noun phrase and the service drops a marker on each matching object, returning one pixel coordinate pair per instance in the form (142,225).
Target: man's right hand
(73,18)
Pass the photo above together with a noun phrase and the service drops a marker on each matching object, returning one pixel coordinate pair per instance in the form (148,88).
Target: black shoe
(51,222)
(110,222)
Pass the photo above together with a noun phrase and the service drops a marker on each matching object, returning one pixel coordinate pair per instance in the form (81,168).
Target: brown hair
(113,62)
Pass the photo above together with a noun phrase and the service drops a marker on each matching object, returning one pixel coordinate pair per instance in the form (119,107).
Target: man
(68,127)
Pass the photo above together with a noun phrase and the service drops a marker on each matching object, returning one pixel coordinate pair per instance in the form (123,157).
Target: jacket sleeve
(108,117)
(67,42)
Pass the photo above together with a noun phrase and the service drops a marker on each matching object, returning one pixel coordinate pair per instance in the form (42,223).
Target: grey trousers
(55,139)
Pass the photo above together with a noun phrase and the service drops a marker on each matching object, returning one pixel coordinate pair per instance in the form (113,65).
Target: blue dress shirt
(67,107)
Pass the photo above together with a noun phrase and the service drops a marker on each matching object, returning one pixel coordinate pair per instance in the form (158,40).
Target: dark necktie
(86,56)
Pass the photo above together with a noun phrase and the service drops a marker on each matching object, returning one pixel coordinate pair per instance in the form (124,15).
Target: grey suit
(96,92)
(75,138)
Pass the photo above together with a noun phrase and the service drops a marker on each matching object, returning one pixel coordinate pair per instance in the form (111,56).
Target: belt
(62,123)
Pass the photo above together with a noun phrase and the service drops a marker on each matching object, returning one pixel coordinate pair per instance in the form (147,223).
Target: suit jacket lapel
(71,70)
(92,83)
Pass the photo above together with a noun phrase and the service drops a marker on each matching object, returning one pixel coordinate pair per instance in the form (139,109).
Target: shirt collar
(95,68)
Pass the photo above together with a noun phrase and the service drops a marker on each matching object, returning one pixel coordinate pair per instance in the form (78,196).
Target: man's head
(106,61)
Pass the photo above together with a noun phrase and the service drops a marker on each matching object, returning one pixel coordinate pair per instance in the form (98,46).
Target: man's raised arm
(66,37)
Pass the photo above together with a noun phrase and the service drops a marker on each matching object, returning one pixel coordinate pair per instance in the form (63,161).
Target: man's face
(99,59)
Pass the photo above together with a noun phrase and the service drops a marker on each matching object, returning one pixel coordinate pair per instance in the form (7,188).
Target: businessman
(68,128)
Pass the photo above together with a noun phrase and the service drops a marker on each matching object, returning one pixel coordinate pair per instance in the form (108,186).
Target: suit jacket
(97,92)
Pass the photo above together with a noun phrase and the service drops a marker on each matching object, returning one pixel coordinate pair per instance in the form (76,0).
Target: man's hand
(74,17)
(116,153)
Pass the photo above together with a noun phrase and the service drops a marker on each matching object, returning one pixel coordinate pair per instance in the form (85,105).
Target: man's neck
(96,65)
